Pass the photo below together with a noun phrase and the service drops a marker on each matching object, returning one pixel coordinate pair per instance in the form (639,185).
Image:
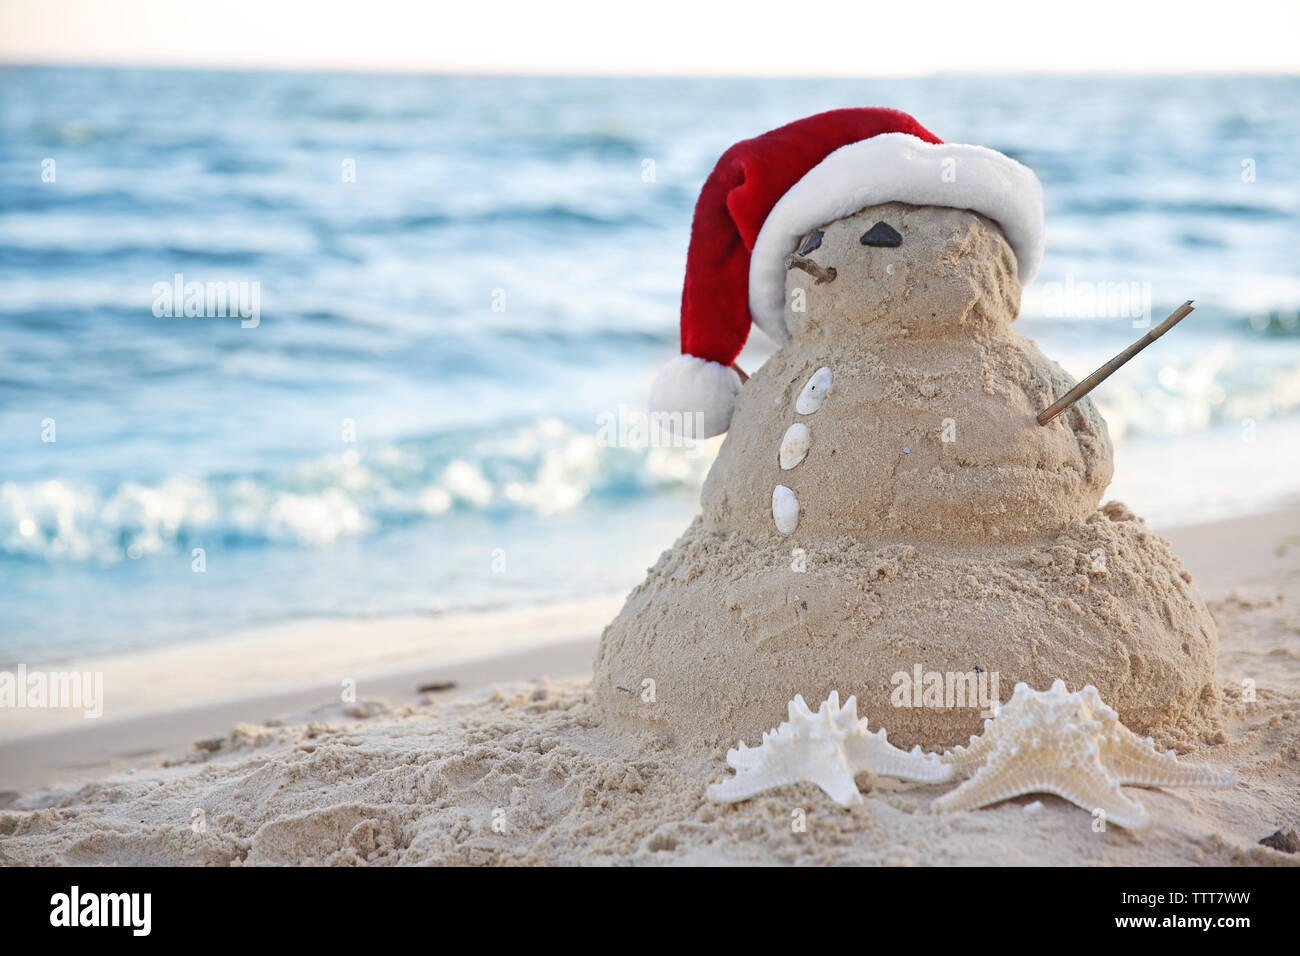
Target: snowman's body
(921,522)
(928,431)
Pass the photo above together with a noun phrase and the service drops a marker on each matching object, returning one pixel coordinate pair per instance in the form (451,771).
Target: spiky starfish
(828,748)
(1072,745)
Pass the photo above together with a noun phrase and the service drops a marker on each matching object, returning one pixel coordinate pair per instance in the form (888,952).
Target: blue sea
(457,275)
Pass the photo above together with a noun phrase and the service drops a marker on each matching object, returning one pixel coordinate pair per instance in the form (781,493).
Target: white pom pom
(702,392)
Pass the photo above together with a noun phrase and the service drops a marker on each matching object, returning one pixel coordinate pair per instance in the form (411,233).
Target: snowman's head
(895,268)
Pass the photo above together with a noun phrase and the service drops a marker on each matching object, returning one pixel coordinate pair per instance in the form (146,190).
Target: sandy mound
(424,786)
(728,632)
(939,529)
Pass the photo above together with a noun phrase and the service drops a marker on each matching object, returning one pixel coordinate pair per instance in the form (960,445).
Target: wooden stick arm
(1103,373)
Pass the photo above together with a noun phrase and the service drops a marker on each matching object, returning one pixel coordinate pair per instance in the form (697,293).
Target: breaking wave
(541,468)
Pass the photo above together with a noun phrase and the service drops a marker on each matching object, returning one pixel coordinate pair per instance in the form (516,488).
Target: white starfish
(1072,745)
(827,748)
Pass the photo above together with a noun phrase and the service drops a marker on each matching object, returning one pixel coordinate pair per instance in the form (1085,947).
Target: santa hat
(767,192)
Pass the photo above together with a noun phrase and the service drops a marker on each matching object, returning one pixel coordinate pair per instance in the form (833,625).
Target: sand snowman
(886,517)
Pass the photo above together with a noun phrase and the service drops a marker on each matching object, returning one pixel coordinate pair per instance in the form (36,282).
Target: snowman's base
(725,630)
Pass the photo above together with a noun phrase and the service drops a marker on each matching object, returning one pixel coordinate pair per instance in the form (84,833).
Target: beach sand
(242,752)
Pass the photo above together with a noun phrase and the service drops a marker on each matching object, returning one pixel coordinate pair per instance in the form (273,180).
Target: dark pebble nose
(882,234)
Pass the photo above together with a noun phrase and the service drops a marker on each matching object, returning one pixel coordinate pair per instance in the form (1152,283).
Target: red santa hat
(767,192)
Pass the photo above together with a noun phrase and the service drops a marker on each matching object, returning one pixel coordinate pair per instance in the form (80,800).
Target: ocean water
(457,276)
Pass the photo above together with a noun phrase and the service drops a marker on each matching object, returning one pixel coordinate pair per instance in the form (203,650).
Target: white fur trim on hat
(894,167)
(691,385)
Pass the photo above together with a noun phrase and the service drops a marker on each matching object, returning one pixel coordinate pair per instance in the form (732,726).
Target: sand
(320,655)
(423,784)
(941,529)
(728,631)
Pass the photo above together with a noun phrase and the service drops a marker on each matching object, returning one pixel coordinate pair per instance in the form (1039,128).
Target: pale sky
(791,37)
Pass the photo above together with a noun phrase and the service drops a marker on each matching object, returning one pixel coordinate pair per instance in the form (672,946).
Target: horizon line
(225,66)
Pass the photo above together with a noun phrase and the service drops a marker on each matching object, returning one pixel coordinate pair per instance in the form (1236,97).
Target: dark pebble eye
(882,234)
(813,241)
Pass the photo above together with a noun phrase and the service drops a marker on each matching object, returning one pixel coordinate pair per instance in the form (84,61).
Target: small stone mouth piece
(819,272)
(882,235)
